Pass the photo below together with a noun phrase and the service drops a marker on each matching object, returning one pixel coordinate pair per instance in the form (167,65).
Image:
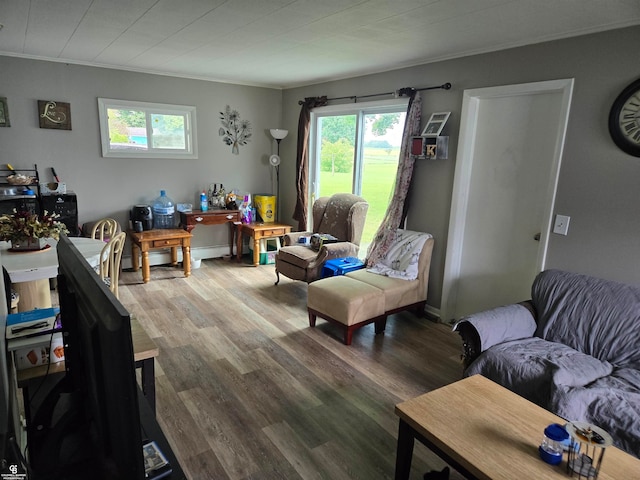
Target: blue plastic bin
(340,266)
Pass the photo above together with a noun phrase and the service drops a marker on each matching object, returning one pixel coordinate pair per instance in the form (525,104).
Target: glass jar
(552,446)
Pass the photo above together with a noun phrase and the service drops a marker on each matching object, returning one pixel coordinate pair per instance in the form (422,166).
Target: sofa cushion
(529,367)
(297,255)
(611,402)
(345,299)
(397,293)
(598,317)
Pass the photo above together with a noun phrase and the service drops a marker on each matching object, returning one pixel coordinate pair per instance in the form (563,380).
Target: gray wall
(110,186)
(598,185)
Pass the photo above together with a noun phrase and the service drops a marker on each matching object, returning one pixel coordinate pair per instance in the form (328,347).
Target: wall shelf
(430,148)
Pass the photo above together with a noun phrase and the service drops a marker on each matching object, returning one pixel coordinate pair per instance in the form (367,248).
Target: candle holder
(591,442)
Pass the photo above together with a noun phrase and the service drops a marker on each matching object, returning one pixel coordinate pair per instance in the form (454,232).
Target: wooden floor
(247,390)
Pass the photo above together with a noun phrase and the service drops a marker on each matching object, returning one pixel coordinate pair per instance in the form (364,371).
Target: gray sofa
(574,349)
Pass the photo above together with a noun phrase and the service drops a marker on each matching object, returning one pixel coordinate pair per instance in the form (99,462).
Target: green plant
(23,225)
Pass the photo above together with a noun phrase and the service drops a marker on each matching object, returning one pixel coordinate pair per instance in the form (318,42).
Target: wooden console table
(259,231)
(160,238)
(144,353)
(216,216)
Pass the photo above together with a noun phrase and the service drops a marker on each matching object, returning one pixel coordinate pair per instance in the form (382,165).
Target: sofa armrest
(292,237)
(481,331)
(330,251)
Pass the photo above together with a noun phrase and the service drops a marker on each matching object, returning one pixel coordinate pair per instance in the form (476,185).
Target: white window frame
(188,112)
(358,109)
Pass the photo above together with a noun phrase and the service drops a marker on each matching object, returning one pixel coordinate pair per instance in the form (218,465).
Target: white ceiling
(287,43)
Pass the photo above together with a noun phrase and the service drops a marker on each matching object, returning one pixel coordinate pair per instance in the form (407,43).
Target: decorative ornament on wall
(55,115)
(4,113)
(234,132)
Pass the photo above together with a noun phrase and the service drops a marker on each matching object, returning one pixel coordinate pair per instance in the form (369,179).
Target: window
(150,130)
(355,148)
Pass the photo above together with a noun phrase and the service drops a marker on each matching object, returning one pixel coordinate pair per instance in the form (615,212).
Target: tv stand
(83,465)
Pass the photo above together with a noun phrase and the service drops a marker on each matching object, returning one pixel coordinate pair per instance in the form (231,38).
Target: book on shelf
(156,465)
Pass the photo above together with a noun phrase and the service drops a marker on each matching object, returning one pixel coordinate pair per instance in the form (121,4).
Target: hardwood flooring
(247,390)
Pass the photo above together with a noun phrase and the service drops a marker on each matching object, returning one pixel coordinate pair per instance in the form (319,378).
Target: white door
(509,152)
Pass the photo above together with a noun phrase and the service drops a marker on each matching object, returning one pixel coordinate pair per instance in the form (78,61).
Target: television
(89,425)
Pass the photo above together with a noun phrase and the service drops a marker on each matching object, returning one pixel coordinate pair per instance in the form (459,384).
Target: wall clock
(624,120)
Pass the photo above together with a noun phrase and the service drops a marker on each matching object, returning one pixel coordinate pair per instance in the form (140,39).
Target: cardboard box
(31,322)
(39,350)
(53,188)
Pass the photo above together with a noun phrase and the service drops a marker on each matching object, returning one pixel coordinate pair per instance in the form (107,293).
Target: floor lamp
(278,134)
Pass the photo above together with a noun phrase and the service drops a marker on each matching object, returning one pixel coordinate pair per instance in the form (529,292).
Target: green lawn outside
(379,176)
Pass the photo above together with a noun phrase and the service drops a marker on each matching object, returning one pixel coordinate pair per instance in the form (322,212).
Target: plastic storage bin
(268,249)
(265,207)
(340,266)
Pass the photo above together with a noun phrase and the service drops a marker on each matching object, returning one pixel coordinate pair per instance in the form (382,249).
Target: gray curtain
(398,206)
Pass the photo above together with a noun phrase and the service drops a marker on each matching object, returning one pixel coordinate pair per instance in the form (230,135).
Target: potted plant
(29,231)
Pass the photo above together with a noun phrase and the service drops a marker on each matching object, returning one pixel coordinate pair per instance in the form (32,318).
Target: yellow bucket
(265,207)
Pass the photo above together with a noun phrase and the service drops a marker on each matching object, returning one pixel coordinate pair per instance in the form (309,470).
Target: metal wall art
(4,113)
(234,132)
(54,114)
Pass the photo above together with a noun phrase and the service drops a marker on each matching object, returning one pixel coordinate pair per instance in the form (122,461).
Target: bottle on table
(204,203)
(213,199)
(164,211)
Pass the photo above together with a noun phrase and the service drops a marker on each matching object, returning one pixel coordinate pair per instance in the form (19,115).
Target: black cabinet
(65,205)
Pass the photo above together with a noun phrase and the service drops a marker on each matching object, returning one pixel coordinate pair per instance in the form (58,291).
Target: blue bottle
(204,203)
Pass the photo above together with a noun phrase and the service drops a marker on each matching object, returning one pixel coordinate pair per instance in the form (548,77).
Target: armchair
(341,215)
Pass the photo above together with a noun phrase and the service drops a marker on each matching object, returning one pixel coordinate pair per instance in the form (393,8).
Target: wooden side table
(160,238)
(215,216)
(258,231)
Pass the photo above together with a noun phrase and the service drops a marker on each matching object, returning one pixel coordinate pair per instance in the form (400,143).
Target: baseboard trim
(163,257)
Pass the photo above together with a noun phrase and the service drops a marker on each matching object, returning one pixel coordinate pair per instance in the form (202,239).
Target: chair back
(104,229)
(341,215)
(110,260)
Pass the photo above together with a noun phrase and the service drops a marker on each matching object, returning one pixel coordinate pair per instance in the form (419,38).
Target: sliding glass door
(355,149)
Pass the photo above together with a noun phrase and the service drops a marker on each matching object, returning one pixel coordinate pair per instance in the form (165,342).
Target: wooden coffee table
(485,431)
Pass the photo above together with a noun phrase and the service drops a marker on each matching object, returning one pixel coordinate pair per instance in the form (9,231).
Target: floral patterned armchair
(342,215)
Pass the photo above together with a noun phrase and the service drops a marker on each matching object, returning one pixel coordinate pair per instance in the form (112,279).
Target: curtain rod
(398,93)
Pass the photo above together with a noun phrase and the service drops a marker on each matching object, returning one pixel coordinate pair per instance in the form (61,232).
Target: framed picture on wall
(4,113)
(435,124)
(54,115)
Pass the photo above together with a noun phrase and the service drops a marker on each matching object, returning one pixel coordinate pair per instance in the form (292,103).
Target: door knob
(536,237)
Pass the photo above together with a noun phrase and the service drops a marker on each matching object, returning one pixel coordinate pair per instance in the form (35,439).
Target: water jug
(164,211)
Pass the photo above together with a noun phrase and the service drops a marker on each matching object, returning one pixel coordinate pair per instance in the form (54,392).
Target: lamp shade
(279,133)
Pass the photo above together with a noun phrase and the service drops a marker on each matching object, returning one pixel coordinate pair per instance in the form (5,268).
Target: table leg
(148,381)
(174,256)
(33,294)
(256,249)
(135,253)
(146,270)
(239,242)
(231,233)
(186,259)
(404,451)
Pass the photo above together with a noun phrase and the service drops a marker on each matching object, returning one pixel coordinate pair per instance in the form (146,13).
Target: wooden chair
(105,229)
(110,260)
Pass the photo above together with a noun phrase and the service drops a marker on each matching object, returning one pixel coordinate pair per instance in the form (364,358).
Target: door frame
(471,104)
